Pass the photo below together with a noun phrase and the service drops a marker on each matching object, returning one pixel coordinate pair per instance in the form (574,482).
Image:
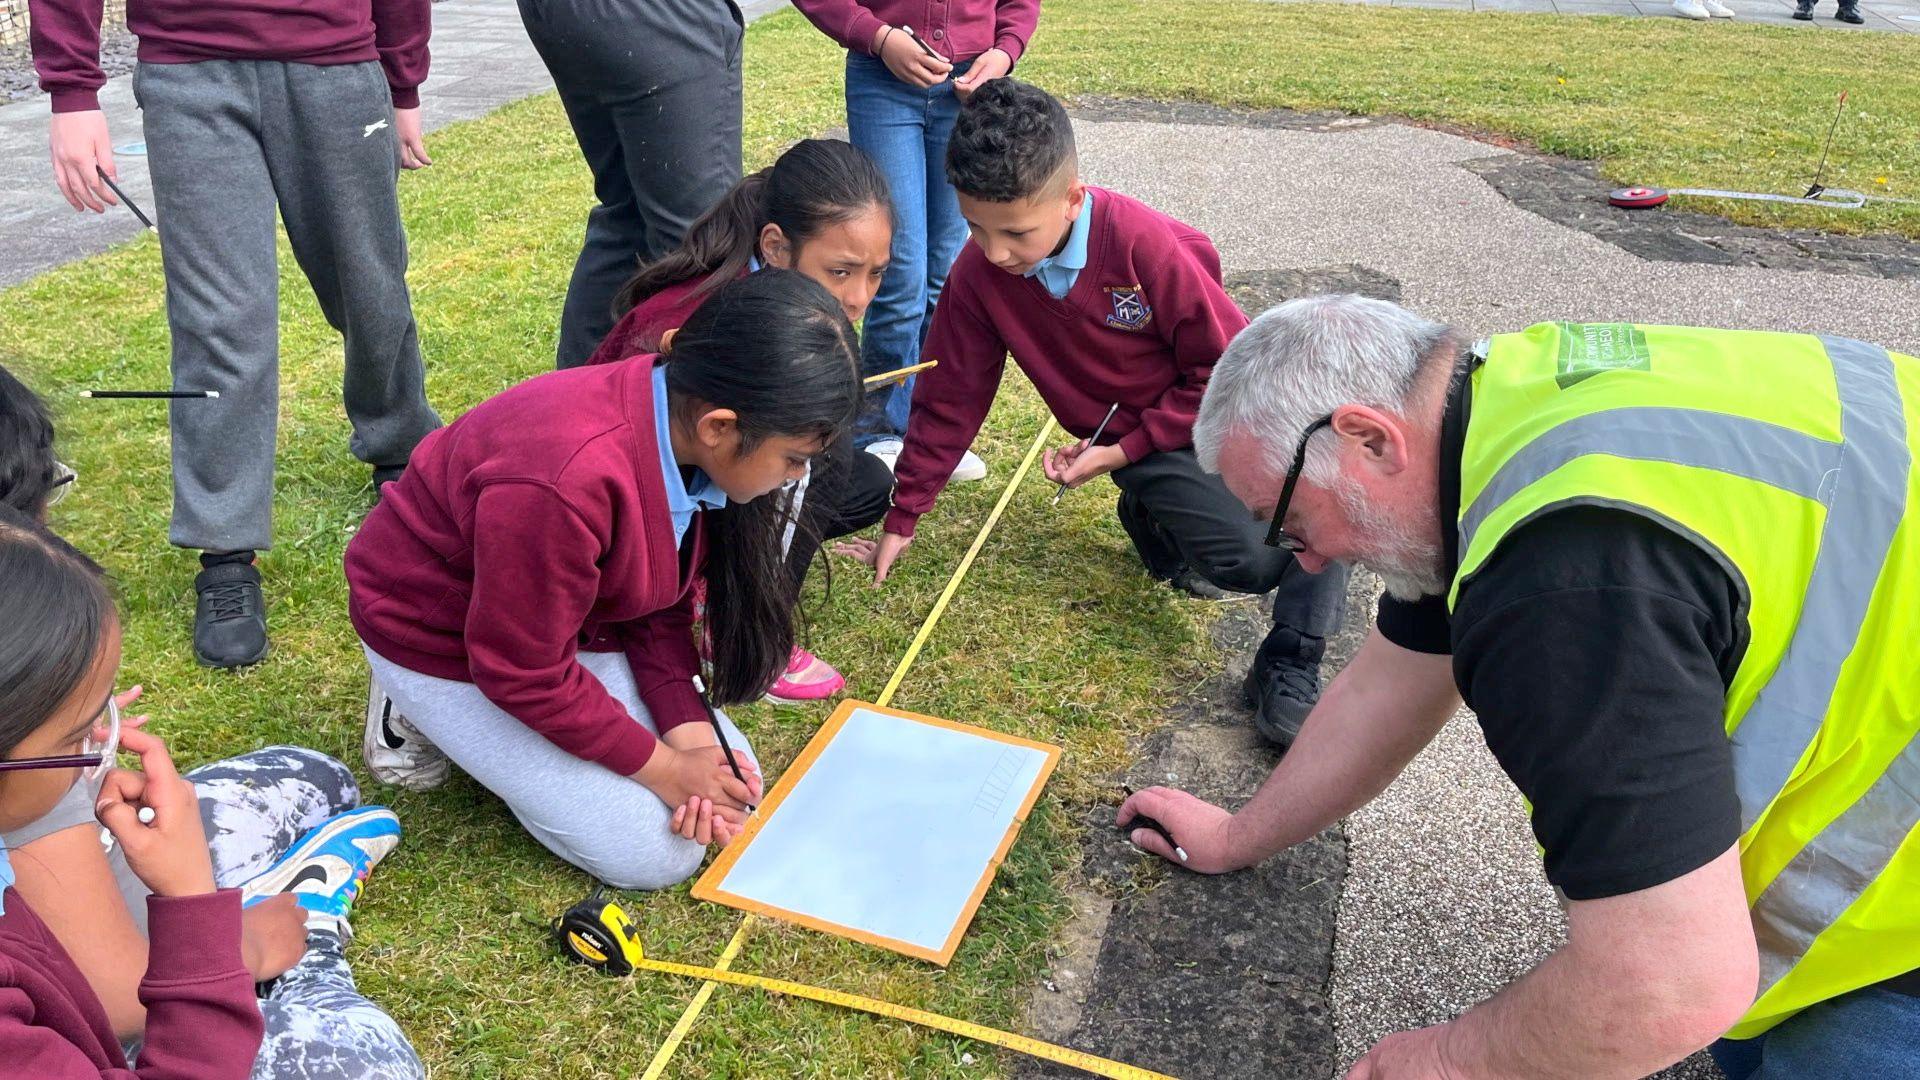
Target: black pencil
(721,733)
(163,394)
(131,205)
(924,47)
(1114,408)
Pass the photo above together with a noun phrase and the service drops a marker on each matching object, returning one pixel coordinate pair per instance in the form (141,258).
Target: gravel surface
(1444,900)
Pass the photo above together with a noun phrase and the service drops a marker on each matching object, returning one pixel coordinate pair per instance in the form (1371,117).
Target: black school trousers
(1177,513)
(652,88)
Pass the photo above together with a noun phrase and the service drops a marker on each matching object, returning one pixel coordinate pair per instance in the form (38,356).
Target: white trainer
(887,450)
(970,467)
(1691,9)
(1717,9)
(395,750)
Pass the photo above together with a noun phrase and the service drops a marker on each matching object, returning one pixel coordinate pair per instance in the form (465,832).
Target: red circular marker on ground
(1637,198)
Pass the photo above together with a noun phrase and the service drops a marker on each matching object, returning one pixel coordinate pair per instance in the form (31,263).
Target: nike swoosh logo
(373,127)
(306,874)
(387,734)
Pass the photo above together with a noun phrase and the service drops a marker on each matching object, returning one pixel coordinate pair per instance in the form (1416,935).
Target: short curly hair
(1012,140)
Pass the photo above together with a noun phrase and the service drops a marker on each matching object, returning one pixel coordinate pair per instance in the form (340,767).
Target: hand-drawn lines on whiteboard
(999,782)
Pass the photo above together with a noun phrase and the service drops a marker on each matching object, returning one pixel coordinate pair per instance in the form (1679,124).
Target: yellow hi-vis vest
(1787,458)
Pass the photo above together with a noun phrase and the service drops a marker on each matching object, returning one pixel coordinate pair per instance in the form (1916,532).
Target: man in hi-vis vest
(1676,573)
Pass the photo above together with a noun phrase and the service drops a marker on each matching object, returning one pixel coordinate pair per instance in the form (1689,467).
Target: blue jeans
(1871,1032)
(904,129)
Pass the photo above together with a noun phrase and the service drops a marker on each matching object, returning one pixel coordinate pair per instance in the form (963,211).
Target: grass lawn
(1056,636)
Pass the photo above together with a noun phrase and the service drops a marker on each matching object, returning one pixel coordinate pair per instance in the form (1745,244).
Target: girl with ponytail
(823,209)
(525,591)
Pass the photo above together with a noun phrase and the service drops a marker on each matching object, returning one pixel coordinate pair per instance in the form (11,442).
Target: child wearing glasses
(1101,300)
(86,911)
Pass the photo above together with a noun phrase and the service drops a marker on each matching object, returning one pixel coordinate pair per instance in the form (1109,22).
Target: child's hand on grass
(1075,465)
(986,67)
(881,555)
(907,60)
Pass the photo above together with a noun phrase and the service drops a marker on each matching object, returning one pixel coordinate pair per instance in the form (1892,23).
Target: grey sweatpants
(228,142)
(600,821)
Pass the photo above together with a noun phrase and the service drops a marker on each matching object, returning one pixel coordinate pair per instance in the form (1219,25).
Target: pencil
(897,374)
(164,394)
(131,205)
(721,733)
(924,47)
(1055,501)
(1142,821)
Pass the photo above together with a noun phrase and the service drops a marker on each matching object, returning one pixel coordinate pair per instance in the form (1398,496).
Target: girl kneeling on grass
(821,208)
(524,591)
(70,1005)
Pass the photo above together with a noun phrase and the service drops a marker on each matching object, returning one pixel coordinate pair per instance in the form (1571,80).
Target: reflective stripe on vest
(1862,481)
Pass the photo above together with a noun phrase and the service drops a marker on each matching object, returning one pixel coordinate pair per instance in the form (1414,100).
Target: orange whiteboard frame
(708,887)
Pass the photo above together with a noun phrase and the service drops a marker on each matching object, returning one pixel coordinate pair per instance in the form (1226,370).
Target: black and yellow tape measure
(598,932)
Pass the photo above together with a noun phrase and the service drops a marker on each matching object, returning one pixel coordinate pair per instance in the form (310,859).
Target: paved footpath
(481,61)
(1897,16)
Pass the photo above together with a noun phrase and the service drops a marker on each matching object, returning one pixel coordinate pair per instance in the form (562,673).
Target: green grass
(1056,636)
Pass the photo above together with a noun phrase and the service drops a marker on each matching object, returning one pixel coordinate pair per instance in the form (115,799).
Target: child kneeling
(525,591)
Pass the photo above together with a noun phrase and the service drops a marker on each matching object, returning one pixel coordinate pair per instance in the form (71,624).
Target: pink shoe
(808,678)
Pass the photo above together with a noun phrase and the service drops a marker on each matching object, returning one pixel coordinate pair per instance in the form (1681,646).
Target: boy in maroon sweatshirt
(307,107)
(1101,299)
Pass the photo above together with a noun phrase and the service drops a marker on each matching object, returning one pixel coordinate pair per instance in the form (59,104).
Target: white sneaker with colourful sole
(326,870)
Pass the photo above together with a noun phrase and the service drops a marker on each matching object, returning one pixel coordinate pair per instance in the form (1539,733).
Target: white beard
(1410,567)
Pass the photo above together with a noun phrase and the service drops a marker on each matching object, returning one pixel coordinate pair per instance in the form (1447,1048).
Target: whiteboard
(887,829)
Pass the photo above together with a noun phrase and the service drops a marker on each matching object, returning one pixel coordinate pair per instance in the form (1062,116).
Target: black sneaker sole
(202,660)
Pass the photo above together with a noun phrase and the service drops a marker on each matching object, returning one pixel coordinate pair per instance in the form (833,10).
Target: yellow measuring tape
(1098,1066)
(719,973)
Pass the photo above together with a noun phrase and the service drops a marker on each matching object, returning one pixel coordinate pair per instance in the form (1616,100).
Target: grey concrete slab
(1595,7)
(1444,901)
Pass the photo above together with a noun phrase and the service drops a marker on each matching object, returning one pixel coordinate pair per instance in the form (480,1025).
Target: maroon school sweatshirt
(65,36)
(639,330)
(202,1020)
(532,528)
(957,29)
(1143,325)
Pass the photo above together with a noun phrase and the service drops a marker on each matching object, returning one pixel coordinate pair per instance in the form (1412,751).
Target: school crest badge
(1130,310)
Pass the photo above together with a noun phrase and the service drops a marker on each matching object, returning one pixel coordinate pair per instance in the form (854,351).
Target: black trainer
(230,618)
(1188,580)
(1284,684)
(1803,10)
(1850,13)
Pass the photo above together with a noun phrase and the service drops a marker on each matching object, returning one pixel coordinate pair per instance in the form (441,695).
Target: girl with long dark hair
(202,890)
(822,208)
(525,591)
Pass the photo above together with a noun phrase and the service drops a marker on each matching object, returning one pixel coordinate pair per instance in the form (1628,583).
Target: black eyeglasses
(1277,535)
